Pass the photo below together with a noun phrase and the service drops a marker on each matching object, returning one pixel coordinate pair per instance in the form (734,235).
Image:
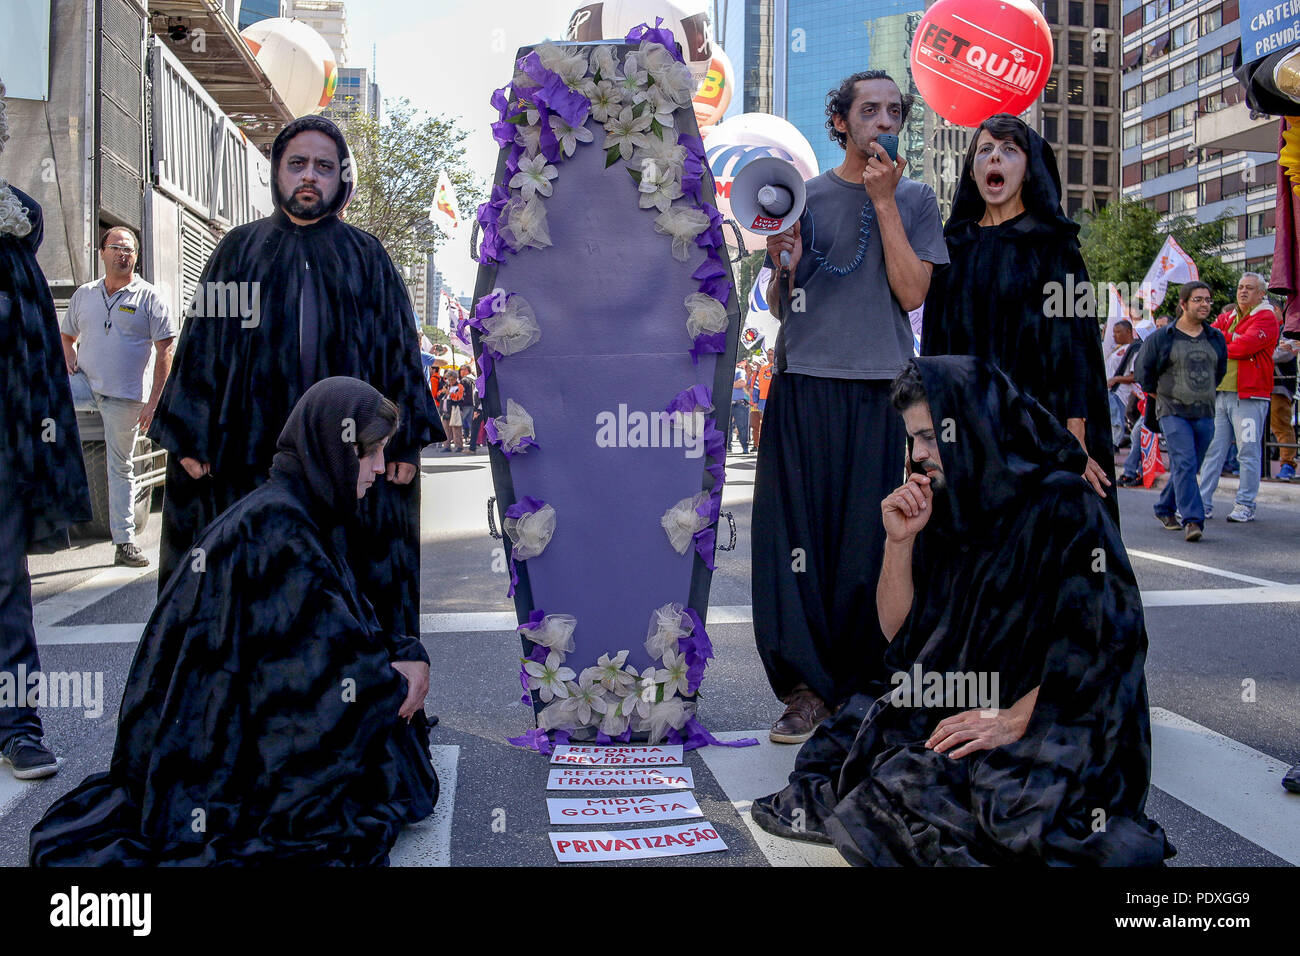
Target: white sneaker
(1241,514)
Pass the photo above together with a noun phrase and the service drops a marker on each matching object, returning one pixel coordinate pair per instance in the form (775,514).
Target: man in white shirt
(113,329)
(1119,376)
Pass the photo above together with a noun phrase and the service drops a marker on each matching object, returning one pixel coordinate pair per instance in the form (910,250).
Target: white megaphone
(768,196)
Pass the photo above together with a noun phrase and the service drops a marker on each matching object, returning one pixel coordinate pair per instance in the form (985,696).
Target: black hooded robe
(235,378)
(1014,295)
(1019,572)
(42,476)
(259,724)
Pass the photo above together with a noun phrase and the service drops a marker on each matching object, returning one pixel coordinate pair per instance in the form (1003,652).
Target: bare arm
(69,351)
(904,513)
(909,277)
(162,367)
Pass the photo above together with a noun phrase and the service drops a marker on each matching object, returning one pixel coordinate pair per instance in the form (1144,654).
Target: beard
(938,482)
(306,205)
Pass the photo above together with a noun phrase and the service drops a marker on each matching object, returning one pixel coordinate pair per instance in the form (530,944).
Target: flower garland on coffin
(555,90)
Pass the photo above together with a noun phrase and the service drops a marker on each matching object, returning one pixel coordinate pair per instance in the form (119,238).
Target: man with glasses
(113,330)
(1180,366)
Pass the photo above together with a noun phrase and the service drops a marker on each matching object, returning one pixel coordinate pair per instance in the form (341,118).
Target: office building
(329,18)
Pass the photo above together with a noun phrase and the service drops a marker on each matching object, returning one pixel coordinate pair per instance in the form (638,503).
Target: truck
(126,136)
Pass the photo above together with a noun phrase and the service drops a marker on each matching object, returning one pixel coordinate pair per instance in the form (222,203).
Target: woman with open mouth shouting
(1016,292)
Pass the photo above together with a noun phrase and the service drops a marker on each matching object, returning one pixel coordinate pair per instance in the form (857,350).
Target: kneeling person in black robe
(1016,729)
(267,717)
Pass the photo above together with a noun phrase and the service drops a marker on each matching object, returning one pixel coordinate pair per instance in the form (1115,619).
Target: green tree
(398,162)
(1122,240)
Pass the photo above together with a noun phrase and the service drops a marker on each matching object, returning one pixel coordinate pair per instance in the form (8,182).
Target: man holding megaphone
(847,271)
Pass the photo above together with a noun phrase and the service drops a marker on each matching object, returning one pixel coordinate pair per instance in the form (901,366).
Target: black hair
(383,425)
(840,100)
(103,240)
(1126,323)
(907,389)
(1187,288)
(1001,126)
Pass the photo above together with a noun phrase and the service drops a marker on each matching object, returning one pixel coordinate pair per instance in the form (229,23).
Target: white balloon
(297,61)
(732,144)
(612,19)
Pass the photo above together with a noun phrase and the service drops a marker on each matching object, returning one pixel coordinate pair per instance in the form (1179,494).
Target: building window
(1101,15)
(1074,130)
(1100,131)
(1074,95)
(1212,20)
(1157,47)
(1154,89)
(1132,174)
(1211,63)
(1132,22)
(1132,97)
(1051,11)
(1100,91)
(1132,136)
(1230,15)
(1101,57)
(1051,92)
(1051,127)
(1100,171)
(1076,13)
(1182,35)
(1074,205)
(1074,169)
(1076,50)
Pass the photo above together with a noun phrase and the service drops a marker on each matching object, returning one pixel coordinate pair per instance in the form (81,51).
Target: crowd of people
(948,510)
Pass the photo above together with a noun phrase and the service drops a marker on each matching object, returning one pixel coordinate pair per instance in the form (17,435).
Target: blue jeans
(1133,463)
(18,653)
(1188,440)
(1245,419)
(740,421)
(120,417)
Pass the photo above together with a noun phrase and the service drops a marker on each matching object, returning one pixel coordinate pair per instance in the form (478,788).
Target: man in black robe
(42,476)
(283,303)
(1014,728)
(267,717)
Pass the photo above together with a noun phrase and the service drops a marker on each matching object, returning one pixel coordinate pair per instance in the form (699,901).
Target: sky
(447,56)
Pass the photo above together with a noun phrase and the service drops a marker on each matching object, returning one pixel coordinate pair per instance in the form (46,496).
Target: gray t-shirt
(1187,386)
(852,326)
(115,335)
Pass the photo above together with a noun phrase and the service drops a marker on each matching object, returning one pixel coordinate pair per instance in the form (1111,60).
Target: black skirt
(832,450)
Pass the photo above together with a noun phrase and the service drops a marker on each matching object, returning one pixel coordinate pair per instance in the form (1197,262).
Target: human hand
(400,472)
(417,686)
(907,509)
(881,175)
(788,241)
(70,359)
(977,730)
(146,416)
(195,469)
(1096,476)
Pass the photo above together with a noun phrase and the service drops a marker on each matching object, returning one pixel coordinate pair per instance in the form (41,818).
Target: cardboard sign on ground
(620,778)
(588,846)
(617,756)
(637,808)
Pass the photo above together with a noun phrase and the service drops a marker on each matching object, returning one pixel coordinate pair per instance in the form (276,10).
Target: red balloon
(974,58)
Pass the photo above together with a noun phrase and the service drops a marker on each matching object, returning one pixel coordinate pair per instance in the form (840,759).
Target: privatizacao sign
(1267,27)
(593,846)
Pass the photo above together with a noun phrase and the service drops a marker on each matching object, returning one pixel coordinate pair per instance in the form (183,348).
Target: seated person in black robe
(1004,580)
(266,716)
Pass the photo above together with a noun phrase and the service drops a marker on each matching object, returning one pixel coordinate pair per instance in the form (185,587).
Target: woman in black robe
(266,717)
(1019,572)
(1016,291)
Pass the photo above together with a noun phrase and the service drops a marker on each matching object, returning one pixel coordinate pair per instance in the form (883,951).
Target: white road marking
(748,772)
(1276,594)
(1227,781)
(81,596)
(1192,566)
(428,843)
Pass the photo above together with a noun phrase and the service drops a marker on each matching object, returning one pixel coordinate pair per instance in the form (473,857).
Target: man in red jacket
(1242,404)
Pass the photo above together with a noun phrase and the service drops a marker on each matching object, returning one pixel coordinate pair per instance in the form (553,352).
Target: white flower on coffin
(641,694)
(512,326)
(682,521)
(534,176)
(666,628)
(606,101)
(588,697)
(661,107)
(570,64)
(654,58)
(704,315)
(514,426)
(673,675)
(668,713)
(523,223)
(530,136)
(613,723)
(561,715)
(635,76)
(568,136)
(604,62)
(522,81)
(683,223)
(530,533)
(609,672)
(555,632)
(658,187)
(663,149)
(549,678)
(671,76)
(627,132)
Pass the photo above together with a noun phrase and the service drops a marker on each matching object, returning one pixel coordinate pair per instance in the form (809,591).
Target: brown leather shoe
(804,710)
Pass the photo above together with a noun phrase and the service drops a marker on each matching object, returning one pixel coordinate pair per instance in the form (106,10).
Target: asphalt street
(1223,617)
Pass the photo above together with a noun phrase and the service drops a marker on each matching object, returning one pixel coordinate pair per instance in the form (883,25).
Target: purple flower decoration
(533,740)
(552,93)
(643,33)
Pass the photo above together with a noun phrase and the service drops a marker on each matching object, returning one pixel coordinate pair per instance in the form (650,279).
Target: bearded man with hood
(285,302)
(1016,291)
(1000,562)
